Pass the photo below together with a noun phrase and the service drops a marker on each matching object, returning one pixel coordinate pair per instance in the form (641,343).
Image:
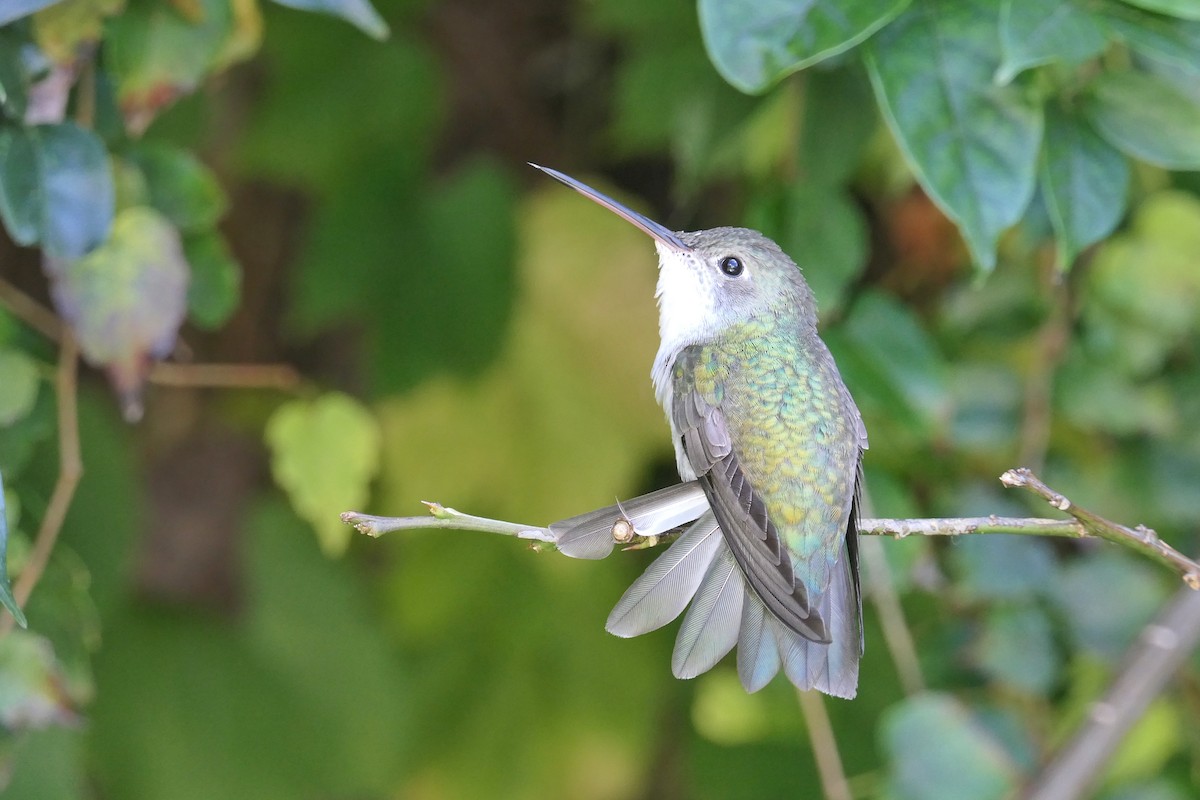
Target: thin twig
(1149,663)
(443,517)
(30,311)
(1084,525)
(896,634)
(1140,538)
(824,746)
(226,376)
(70,469)
(200,376)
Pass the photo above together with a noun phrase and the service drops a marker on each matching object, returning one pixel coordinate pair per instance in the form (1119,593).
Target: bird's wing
(756,544)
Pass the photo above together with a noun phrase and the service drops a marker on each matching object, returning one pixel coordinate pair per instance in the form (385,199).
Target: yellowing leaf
(324,453)
(126,299)
(565,418)
(156,53)
(62,29)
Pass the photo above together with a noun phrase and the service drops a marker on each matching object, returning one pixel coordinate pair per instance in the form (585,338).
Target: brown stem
(30,311)
(70,469)
(226,376)
(896,633)
(824,746)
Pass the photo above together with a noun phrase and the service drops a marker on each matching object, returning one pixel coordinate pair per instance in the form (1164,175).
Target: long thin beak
(648,225)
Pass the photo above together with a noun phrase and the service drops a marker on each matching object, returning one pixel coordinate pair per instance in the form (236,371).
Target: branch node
(1161,637)
(622,531)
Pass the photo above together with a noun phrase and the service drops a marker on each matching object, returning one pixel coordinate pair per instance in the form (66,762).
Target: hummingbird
(769,446)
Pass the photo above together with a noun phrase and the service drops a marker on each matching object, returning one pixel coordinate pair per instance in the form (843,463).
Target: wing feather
(590,535)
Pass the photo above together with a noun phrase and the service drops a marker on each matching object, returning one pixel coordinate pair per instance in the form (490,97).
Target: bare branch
(1084,525)
(896,633)
(443,517)
(824,746)
(1149,663)
(226,376)
(70,469)
(283,377)
(30,311)
(1140,538)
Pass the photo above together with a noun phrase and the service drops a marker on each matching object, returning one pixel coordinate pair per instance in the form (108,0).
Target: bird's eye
(732,266)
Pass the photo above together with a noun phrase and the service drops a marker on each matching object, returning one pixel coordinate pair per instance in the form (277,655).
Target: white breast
(686,316)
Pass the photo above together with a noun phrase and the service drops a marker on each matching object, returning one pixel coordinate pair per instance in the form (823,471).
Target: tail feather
(726,612)
(758,651)
(701,569)
(710,627)
(664,589)
(830,668)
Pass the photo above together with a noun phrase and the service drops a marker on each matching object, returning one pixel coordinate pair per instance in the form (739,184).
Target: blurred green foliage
(991,200)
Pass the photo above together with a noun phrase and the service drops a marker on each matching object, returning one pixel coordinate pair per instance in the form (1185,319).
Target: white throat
(686,312)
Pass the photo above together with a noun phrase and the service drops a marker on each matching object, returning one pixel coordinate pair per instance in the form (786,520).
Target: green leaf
(1085,182)
(1173,41)
(830,152)
(1096,394)
(1003,567)
(6,595)
(1143,290)
(55,187)
(76,189)
(359,13)
(1184,9)
(180,187)
(667,96)
(937,750)
(65,29)
(1150,744)
(1156,789)
(451,262)
(50,764)
(216,279)
(18,389)
(753,44)
(1106,598)
(126,300)
(324,453)
(19,443)
(897,373)
(14,81)
(1146,117)
(1017,648)
(396,108)
(972,145)
(19,181)
(1036,32)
